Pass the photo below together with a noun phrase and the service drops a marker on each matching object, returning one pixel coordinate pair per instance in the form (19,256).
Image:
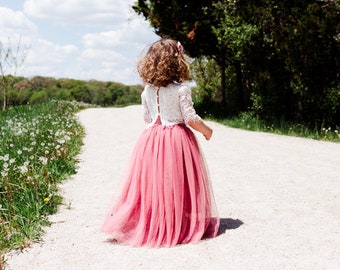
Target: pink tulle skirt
(166,196)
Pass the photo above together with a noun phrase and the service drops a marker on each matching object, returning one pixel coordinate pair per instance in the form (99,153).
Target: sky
(79,39)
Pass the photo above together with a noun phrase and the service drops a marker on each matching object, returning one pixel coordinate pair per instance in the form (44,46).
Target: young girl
(166,198)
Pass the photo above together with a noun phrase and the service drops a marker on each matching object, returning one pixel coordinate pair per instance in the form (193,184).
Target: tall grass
(38,148)
(250,121)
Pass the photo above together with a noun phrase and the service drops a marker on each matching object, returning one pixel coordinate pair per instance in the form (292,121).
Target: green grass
(38,148)
(249,121)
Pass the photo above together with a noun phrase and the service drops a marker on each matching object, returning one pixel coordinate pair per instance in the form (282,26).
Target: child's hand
(208,134)
(200,126)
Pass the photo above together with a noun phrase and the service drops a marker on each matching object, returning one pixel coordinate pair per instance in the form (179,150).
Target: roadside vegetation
(249,121)
(38,149)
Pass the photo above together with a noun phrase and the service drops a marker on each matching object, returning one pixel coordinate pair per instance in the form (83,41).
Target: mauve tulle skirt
(165,198)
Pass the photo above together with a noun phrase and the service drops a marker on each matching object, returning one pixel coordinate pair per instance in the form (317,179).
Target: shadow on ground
(228,224)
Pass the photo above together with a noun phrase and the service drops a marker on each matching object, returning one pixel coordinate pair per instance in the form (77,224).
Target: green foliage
(42,89)
(331,104)
(279,59)
(38,146)
(11,59)
(207,77)
(185,20)
(251,121)
(234,36)
(293,62)
(38,97)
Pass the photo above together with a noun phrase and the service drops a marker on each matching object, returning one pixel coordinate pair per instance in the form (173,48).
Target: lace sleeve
(187,106)
(146,114)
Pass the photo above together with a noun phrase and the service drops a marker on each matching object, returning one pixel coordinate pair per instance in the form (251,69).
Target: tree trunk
(4,101)
(223,84)
(4,86)
(239,85)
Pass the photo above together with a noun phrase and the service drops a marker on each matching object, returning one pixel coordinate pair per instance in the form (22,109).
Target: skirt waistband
(159,123)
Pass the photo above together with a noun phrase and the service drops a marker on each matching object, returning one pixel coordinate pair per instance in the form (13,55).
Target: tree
(284,55)
(189,22)
(234,40)
(293,67)
(11,59)
(210,29)
(205,73)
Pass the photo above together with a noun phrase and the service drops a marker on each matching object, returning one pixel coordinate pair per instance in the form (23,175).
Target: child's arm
(200,126)
(189,114)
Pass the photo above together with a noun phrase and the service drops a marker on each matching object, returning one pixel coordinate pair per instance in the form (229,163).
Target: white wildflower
(43,160)
(23,169)
(61,141)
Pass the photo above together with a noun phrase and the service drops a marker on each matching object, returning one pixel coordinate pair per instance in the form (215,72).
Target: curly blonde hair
(163,64)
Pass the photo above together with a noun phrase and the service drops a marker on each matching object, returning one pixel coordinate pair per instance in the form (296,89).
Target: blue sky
(80,39)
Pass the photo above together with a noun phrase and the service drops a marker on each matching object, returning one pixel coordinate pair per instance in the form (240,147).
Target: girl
(166,198)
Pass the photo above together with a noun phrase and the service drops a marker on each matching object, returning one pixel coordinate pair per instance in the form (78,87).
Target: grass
(249,121)
(38,148)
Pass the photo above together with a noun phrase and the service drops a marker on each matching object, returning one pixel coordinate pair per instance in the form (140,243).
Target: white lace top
(173,104)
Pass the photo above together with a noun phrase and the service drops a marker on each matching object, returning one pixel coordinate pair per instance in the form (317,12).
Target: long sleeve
(146,113)
(187,106)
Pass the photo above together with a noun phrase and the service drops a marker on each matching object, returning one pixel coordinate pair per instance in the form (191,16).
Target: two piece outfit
(166,196)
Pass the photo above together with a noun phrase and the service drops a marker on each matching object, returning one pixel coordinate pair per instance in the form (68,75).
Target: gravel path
(278,198)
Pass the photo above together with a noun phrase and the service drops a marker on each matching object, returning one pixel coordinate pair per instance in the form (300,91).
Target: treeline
(42,89)
(279,60)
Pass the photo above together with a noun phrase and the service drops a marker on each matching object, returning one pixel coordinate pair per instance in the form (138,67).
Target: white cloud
(44,52)
(15,23)
(49,59)
(107,37)
(103,39)
(75,11)
(132,37)
(106,65)
(129,39)
(102,56)
(107,56)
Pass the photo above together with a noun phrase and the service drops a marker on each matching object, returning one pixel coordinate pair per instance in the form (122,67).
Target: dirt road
(278,199)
